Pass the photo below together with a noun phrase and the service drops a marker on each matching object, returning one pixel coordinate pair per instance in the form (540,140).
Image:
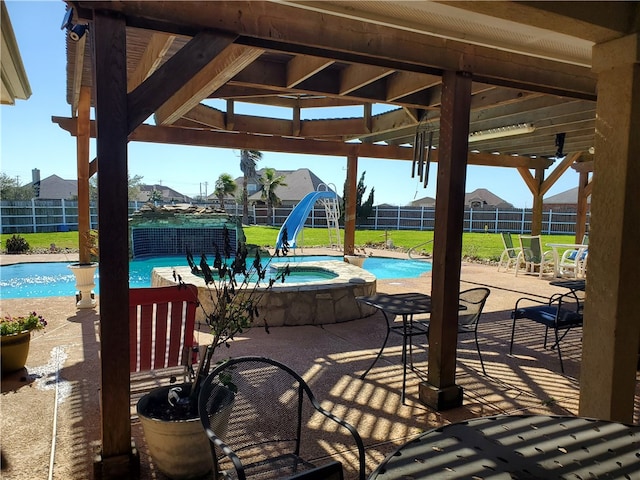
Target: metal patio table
(405,305)
(518,447)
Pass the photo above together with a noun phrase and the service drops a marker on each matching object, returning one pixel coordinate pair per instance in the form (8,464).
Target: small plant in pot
(235,289)
(15,337)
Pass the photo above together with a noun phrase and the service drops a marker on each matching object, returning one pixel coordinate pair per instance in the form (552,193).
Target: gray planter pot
(179,448)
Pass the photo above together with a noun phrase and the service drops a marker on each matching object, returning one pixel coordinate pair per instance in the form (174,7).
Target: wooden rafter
(78,68)
(301,67)
(557,172)
(216,73)
(153,55)
(162,85)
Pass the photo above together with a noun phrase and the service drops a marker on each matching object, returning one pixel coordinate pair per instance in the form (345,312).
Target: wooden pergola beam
(268,25)
(173,75)
(151,59)
(557,172)
(208,138)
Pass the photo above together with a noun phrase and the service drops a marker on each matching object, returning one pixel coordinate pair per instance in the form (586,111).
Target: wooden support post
(118,460)
(611,320)
(350,206)
(581,213)
(82,152)
(536,214)
(441,391)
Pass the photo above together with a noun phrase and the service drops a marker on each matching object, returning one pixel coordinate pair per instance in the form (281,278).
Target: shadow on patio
(330,357)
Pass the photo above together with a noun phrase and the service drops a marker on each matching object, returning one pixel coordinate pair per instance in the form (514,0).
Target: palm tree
(225,185)
(248,160)
(270,181)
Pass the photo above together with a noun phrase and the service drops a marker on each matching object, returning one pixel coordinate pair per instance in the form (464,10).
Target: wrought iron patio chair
(532,255)
(469,318)
(561,313)
(271,425)
(509,254)
(161,328)
(328,471)
(471,303)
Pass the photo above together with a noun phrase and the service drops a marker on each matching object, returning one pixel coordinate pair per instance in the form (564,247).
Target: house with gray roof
(168,194)
(54,188)
(567,200)
(479,198)
(298,184)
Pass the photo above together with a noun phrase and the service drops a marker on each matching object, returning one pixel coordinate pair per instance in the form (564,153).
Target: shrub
(17,244)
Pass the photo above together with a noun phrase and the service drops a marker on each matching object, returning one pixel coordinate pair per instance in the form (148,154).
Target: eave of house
(15,84)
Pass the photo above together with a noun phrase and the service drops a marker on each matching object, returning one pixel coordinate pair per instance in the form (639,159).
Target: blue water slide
(295,221)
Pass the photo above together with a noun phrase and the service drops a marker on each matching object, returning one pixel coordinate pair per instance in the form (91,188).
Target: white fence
(62,215)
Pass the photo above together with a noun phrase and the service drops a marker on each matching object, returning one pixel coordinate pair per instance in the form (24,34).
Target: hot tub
(330,300)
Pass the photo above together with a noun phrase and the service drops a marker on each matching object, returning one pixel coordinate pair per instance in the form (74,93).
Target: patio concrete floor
(51,416)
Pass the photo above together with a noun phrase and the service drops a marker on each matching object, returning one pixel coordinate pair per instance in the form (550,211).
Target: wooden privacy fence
(33,216)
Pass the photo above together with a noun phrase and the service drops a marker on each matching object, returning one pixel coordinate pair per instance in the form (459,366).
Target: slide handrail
(417,246)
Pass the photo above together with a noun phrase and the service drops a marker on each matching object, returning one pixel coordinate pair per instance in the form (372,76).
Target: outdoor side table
(405,305)
(573,285)
(518,446)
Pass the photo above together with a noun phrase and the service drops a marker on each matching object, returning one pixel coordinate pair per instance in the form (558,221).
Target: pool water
(55,279)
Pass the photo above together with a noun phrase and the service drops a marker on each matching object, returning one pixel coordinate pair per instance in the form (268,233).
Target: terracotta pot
(14,350)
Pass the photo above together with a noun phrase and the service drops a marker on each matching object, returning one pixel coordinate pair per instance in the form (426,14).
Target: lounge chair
(533,257)
(509,254)
(573,262)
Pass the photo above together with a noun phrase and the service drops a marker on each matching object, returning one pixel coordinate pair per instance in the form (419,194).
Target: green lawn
(484,246)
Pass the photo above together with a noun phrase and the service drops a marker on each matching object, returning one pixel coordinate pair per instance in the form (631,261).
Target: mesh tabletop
(519,447)
(400,303)
(577,285)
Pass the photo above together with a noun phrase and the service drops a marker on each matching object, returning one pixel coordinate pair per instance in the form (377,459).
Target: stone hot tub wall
(291,303)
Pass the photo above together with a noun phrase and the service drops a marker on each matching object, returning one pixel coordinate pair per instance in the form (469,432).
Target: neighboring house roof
(479,197)
(298,184)
(168,194)
(423,202)
(15,83)
(485,198)
(568,197)
(56,188)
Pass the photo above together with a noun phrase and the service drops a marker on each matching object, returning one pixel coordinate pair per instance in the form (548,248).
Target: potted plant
(169,415)
(15,336)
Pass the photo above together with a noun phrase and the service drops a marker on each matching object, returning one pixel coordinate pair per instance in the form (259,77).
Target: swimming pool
(54,279)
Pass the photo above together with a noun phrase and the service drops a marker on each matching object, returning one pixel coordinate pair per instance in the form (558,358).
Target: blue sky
(30,140)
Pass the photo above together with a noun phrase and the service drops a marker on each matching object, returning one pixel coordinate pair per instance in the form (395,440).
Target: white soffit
(14,78)
(453,23)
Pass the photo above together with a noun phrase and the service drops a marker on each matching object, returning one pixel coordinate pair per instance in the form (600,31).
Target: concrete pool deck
(50,411)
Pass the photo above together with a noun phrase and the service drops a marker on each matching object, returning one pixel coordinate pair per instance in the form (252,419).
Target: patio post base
(440,398)
(118,466)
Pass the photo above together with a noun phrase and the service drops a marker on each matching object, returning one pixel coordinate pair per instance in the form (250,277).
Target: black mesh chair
(328,471)
(272,427)
(473,300)
(560,313)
